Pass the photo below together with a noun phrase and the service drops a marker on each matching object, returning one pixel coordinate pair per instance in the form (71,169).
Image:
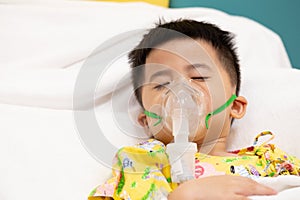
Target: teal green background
(281,16)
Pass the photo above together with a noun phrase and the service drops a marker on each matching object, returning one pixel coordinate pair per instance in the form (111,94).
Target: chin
(198,138)
(164,138)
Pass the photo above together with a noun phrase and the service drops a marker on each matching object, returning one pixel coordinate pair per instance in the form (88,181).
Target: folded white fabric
(287,186)
(42,156)
(280,183)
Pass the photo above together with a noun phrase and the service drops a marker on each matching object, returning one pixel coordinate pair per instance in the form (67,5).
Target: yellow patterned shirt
(143,171)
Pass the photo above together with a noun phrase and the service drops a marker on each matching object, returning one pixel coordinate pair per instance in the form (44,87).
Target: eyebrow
(165,72)
(196,66)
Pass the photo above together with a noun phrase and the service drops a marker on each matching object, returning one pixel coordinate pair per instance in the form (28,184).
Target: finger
(260,189)
(251,187)
(240,197)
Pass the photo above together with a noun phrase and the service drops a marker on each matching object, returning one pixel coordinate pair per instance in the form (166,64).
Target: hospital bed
(50,119)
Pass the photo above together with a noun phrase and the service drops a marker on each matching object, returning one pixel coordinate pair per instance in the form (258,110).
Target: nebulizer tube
(183,111)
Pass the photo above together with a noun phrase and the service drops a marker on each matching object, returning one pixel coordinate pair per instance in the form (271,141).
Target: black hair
(221,41)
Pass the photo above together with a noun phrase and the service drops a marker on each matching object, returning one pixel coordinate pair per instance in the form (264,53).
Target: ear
(142,119)
(238,109)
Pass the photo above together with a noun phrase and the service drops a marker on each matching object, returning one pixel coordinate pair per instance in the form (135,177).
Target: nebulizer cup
(183,111)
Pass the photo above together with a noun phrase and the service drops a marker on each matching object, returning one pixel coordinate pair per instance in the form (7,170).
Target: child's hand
(220,187)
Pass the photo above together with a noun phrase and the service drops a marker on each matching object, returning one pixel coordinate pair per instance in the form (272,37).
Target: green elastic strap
(153,115)
(220,109)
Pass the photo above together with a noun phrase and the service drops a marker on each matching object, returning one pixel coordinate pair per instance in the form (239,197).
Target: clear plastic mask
(183,109)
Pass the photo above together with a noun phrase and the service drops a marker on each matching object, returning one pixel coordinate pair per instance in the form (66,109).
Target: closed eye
(200,78)
(160,86)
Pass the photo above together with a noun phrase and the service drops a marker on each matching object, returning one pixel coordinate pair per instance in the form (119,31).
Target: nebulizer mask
(183,111)
(184,108)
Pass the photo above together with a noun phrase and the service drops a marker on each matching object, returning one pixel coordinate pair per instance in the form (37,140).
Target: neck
(216,147)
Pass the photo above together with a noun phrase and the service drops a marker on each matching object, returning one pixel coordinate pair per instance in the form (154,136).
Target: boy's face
(196,61)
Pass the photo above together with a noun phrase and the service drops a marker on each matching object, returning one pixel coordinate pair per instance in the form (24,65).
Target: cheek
(151,102)
(207,101)
(149,97)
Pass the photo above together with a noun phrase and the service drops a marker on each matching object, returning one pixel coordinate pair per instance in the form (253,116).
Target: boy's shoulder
(151,144)
(141,157)
(149,147)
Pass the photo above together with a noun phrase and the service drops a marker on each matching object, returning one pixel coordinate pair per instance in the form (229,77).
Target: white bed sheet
(42,156)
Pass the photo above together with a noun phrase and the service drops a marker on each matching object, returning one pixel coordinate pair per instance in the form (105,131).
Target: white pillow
(273,104)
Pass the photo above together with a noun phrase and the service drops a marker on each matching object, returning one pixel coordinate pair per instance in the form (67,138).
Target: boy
(200,58)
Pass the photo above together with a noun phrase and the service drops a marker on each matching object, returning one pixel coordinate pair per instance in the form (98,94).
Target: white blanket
(287,186)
